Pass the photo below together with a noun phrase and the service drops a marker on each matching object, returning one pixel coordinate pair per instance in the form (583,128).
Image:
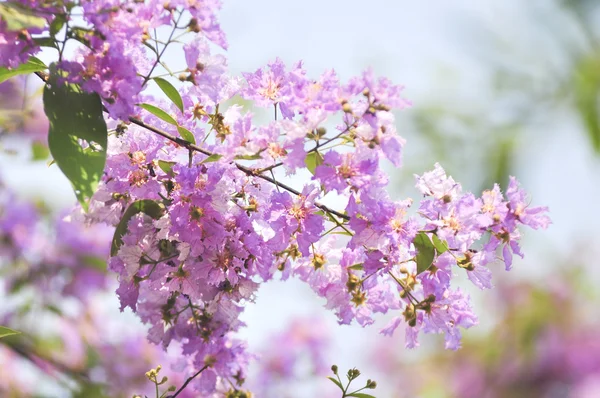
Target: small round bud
(318,260)
(334,369)
(210,360)
(193,25)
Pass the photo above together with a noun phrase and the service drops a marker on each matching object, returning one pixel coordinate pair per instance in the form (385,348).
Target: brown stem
(188,382)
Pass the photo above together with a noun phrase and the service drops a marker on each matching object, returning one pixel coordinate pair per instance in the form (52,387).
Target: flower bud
(210,360)
(193,25)
(346,107)
(318,260)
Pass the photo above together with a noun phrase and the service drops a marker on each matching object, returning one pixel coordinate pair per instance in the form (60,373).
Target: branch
(36,359)
(193,147)
(188,382)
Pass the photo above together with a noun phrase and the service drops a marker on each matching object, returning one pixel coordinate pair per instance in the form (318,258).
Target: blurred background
(498,89)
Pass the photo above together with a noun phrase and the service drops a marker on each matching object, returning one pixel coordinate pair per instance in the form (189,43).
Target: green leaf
(341,233)
(212,158)
(97,263)
(170,91)
(75,115)
(31,66)
(57,24)
(159,113)
(586,88)
(337,383)
(54,309)
(4,332)
(313,159)
(425,252)
(440,245)
(361,395)
(256,156)
(39,151)
(186,134)
(166,166)
(90,390)
(357,267)
(18,17)
(45,42)
(149,207)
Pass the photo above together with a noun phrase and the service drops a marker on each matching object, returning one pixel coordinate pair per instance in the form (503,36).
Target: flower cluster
(59,259)
(110,58)
(300,357)
(202,217)
(532,350)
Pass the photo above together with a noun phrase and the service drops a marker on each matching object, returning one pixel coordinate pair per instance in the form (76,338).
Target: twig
(188,382)
(36,359)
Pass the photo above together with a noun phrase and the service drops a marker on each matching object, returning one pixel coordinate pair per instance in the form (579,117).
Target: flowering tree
(197,194)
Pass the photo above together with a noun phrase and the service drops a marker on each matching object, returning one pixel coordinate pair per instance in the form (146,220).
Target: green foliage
(337,383)
(76,116)
(166,166)
(352,375)
(90,390)
(255,156)
(170,92)
(425,252)
(96,263)
(31,66)
(57,24)
(4,332)
(186,134)
(39,151)
(212,158)
(146,206)
(586,89)
(159,113)
(313,159)
(440,245)
(18,17)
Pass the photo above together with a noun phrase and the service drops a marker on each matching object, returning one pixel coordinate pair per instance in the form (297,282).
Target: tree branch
(193,147)
(187,382)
